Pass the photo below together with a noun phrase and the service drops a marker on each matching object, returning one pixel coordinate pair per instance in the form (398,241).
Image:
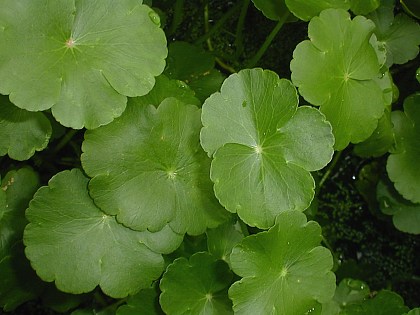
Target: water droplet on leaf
(154,17)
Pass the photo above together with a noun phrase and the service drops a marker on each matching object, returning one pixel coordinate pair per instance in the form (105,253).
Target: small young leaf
(400,35)
(405,214)
(337,70)
(149,170)
(402,165)
(81,60)
(307,9)
(284,270)
(196,286)
(72,242)
(263,145)
(22,132)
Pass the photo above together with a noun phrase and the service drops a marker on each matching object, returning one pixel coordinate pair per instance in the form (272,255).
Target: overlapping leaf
(284,269)
(405,214)
(18,281)
(72,242)
(362,7)
(307,9)
(22,132)
(402,164)
(263,146)
(400,34)
(337,69)
(146,302)
(149,170)
(81,59)
(196,286)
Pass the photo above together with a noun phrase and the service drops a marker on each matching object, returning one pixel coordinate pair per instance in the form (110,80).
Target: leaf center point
(258,149)
(70,43)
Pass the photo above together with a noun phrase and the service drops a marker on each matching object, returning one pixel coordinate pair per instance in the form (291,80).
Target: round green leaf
(22,132)
(19,282)
(81,60)
(384,303)
(400,34)
(149,170)
(402,165)
(414,311)
(263,146)
(337,70)
(405,214)
(284,270)
(72,242)
(196,286)
(307,9)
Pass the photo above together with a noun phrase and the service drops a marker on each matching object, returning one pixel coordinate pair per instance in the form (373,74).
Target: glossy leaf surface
(72,242)
(149,170)
(337,69)
(79,59)
(283,270)
(263,146)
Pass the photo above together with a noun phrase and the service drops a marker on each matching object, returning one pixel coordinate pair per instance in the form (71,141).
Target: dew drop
(154,17)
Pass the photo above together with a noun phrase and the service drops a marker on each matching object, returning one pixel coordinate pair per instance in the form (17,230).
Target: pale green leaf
(72,242)
(402,165)
(263,145)
(283,270)
(149,170)
(337,69)
(196,286)
(79,59)
(22,132)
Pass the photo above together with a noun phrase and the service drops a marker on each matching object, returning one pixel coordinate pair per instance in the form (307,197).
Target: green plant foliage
(146,302)
(337,69)
(165,88)
(84,59)
(70,241)
(402,165)
(384,303)
(18,281)
(364,6)
(381,139)
(22,132)
(284,269)
(348,292)
(254,124)
(415,311)
(222,239)
(307,9)
(400,34)
(196,286)
(272,9)
(411,7)
(149,170)
(405,214)
(195,67)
